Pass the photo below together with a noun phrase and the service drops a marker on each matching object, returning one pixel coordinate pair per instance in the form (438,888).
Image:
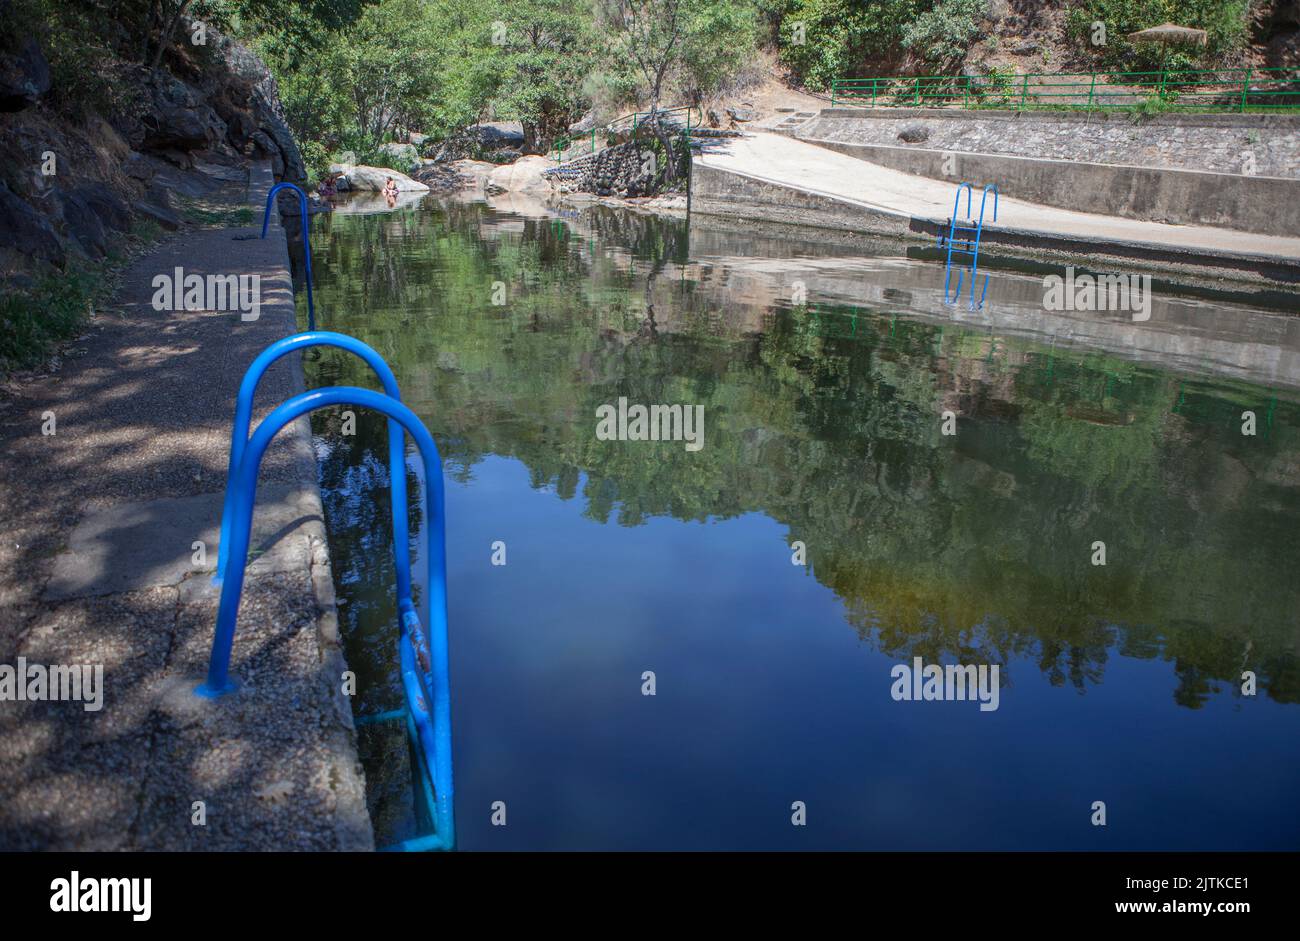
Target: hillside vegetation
(821,40)
(397,65)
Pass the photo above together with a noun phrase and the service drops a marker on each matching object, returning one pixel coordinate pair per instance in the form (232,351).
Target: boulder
(1283,51)
(742,114)
(406,154)
(476,172)
(24,76)
(265,148)
(172,118)
(25,231)
(522,176)
(82,223)
(263,97)
(137,167)
(365,178)
(157,206)
(583,124)
(111,208)
(496,134)
(914,133)
(974,76)
(291,157)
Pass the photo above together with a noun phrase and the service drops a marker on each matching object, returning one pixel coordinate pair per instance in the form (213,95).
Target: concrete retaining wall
(723,193)
(1238,171)
(1217,143)
(1267,205)
(717,192)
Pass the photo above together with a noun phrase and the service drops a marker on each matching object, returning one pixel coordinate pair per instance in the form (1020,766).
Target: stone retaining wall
(1212,142)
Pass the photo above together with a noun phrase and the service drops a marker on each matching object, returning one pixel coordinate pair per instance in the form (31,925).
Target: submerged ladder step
(963,238)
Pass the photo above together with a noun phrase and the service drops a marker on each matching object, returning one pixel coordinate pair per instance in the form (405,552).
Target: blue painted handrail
(994,188)
(967,244)
(424,660)
(396,440)
(306,241)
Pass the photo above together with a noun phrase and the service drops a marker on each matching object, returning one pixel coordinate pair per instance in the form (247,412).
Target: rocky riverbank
(73,183)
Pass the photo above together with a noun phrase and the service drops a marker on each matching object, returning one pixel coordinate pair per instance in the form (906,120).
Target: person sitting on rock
(390,188)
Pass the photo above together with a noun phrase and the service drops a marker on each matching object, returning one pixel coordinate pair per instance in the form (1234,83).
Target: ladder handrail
(971,243)
(425,674)
(396,441)
(994,188)
(306,241)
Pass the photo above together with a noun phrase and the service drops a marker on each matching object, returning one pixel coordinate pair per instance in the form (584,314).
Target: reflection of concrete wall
(1268,205)
(1239,342)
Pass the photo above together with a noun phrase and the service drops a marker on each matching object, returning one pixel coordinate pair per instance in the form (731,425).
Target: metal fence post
(1245,85)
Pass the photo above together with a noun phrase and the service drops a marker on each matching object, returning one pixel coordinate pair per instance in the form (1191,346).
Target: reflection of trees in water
(975,547)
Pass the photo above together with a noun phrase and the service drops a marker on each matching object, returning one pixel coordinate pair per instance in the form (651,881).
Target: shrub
(1225,21)
(940,36)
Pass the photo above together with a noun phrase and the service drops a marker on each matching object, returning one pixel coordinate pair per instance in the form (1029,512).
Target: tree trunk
(670,171)
(165,39)
(154,15)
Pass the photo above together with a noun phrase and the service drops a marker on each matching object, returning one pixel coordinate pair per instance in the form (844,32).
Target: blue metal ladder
(306,241)
(422,656)
(966,243)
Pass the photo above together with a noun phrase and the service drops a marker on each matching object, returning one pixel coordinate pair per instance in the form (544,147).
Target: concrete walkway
(784,162)
(97,566)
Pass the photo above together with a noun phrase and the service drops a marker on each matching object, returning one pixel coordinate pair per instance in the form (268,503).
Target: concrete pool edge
(353,824)
(730,192)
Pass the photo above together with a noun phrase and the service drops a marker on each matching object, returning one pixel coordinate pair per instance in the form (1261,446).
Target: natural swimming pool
(823,375)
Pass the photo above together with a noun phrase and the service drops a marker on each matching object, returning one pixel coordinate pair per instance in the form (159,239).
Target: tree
(387,64)
(545,54)
(690,43)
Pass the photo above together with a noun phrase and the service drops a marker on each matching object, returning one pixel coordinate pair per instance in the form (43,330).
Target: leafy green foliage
(941,35)
(840,37)
(52,310)
(1224,20)
(439,65)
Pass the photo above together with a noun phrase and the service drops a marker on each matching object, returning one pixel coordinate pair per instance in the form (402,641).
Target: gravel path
(97,525)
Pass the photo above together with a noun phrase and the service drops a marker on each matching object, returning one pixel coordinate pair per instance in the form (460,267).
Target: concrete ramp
(780,179)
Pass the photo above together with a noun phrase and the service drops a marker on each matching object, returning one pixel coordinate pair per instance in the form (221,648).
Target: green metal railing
(1168,90)
(571,148)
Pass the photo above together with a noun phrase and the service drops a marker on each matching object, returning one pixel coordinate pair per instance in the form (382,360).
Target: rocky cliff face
(68,184)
